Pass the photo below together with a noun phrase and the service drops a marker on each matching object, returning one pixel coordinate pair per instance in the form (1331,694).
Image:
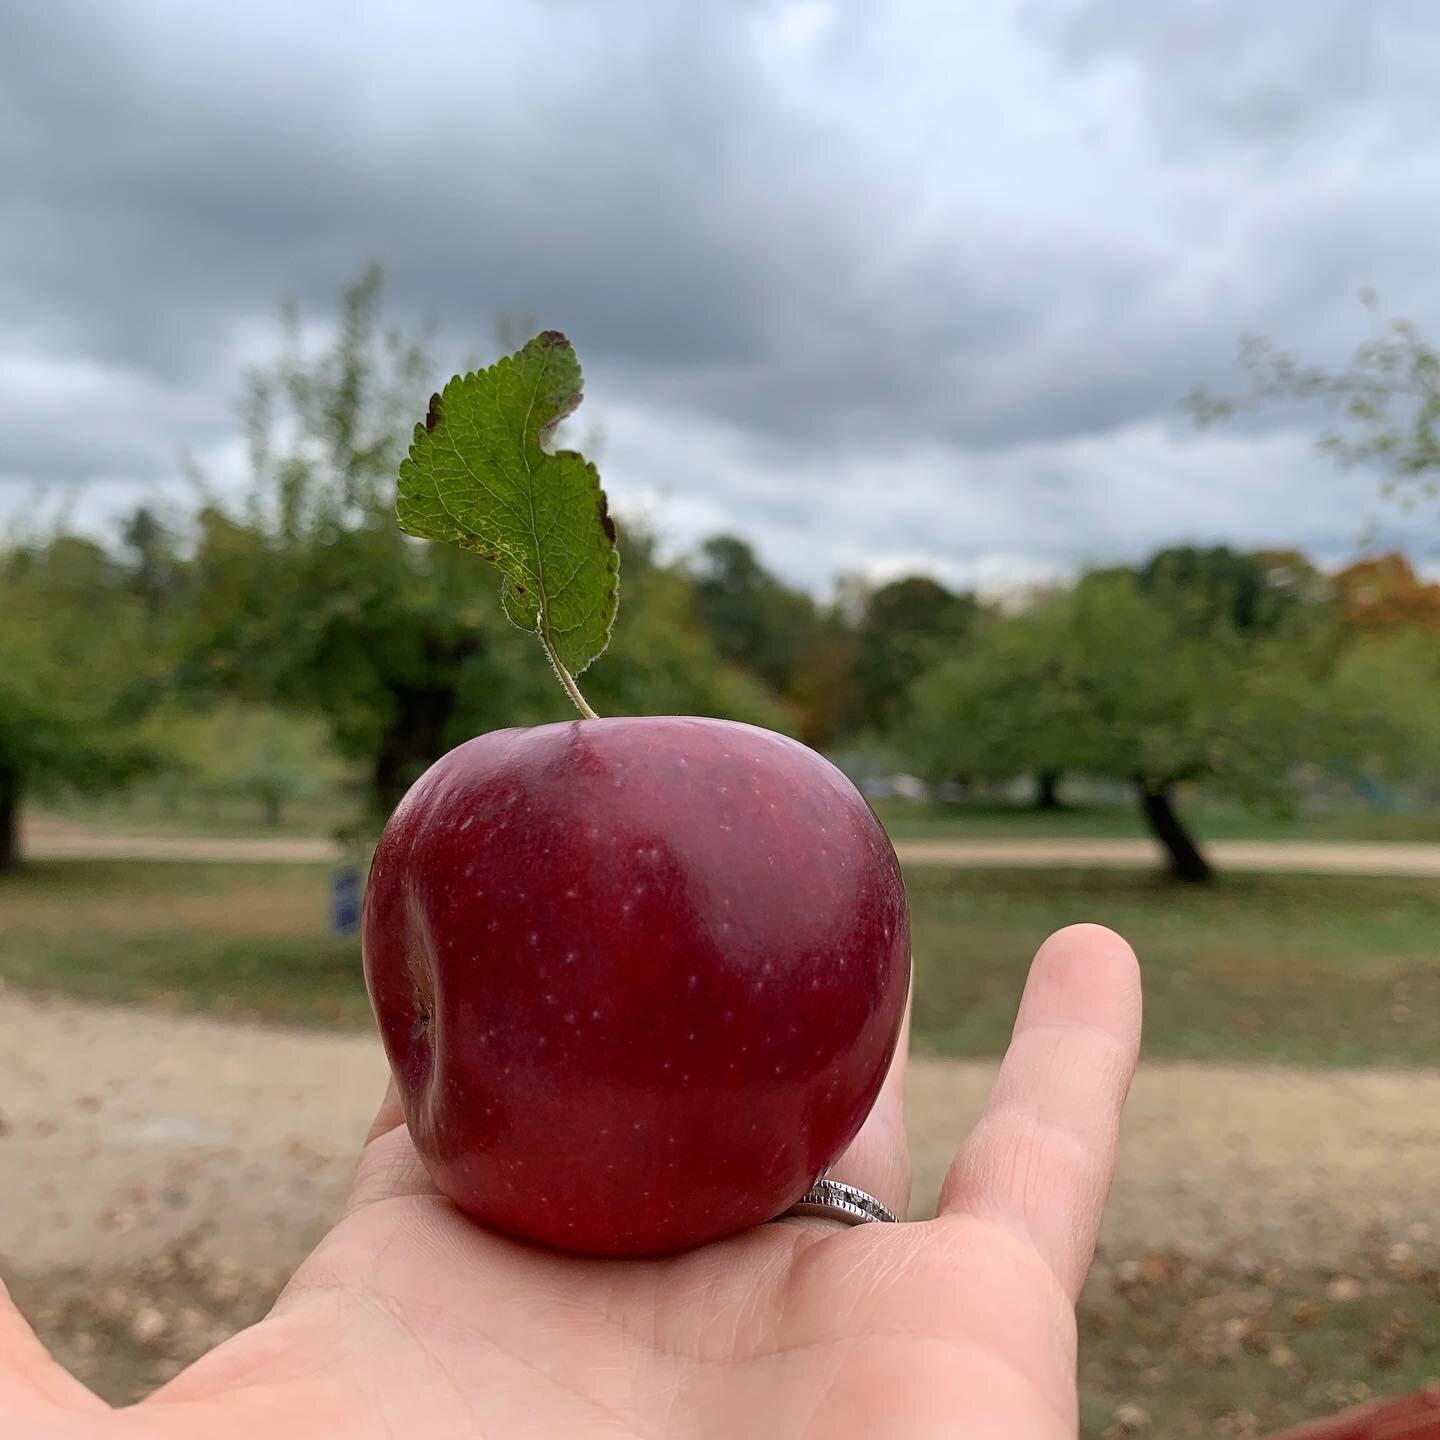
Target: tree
(1384,594)
(1385,404)
(754,619)
(1257,593)
(1383,716)
(1102,680)
(154,564)
(980,712)
(822,688)
(243,751)
(74,667)
(661,658)
(309,596)
(903,627)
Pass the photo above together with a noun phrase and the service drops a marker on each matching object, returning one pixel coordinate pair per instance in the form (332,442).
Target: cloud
(1258,82)
(911,281)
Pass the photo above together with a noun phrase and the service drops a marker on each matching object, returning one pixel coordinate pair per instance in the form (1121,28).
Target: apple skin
(639,980)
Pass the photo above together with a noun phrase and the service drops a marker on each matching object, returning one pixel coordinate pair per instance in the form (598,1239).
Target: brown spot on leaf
(432,415)
(606,523)
(552,338)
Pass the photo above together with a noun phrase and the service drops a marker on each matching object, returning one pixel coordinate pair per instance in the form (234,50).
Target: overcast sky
(884,286)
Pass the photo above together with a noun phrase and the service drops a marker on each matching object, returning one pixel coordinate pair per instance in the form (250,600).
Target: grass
(150,811)
(230,939)
(1316,970)
(1311,969)
(916,820)
(147,811)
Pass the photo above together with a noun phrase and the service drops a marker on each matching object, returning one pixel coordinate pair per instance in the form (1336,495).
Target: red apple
(639,980)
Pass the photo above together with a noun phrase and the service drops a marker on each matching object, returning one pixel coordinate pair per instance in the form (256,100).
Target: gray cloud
(933,244)
(1258,81)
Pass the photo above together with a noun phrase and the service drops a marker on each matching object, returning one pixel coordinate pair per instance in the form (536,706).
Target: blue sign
(345,901)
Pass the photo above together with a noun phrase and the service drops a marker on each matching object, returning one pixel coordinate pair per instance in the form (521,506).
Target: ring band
(838,1201)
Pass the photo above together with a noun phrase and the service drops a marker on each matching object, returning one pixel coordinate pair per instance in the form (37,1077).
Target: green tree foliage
(753,618)
(76,669)
(1384,406)
(803,651)
(902,628)
(1383,719)
(309,596)
(662,657)
(1257,592)
(1102,680)
(152,559)
(232,749)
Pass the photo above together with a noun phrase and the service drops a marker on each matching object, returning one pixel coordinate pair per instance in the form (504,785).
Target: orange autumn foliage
(1384,593)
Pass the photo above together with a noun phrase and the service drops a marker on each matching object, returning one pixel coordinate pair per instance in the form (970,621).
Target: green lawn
(914,820)
(1319,970)
(146,810)
(241,940)
(1316,969)
(149,810)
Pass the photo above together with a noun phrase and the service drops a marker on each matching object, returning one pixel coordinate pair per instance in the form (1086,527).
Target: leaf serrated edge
(569,403)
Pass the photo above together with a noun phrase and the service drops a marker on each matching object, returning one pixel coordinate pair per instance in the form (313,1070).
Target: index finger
(1040,1160)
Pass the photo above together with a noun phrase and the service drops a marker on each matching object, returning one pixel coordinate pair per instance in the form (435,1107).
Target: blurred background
(1030,406)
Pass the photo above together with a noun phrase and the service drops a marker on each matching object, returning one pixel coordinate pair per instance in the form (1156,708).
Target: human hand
(409,1320)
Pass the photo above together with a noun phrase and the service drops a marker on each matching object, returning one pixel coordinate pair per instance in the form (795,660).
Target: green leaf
(481,475)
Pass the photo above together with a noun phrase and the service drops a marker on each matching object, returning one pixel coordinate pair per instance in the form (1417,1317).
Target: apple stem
(568,681)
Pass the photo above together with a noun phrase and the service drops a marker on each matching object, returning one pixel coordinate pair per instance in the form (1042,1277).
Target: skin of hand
(410,1321)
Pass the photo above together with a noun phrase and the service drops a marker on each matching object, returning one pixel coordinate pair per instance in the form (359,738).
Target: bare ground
(160,1175)
(124,1133)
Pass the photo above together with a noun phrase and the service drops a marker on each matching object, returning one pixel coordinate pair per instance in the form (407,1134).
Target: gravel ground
(124,1133)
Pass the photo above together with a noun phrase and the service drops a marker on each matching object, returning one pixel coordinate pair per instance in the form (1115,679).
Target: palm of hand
(410,1320)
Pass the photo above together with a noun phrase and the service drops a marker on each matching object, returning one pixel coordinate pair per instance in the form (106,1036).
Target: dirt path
(47,839)
(122,1131)
(1313,857)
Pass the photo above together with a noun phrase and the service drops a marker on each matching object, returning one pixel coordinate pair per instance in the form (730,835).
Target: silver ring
(838,1201)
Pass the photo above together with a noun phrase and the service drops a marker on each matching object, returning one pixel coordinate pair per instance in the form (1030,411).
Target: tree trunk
(9,821)
(1047,790)
(273,807)
(413,740)
(1186,861)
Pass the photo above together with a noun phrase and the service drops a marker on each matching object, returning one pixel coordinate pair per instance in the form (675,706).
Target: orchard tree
(308,595)
(1102,680)
(152,559)
(902,628)
(992,710)
(664,659)
(753,617)
(1256,592)
(823,691)
(804,652)
(76,673)
(1384,406)
(1383,595)
(235,750)
(1383,715)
